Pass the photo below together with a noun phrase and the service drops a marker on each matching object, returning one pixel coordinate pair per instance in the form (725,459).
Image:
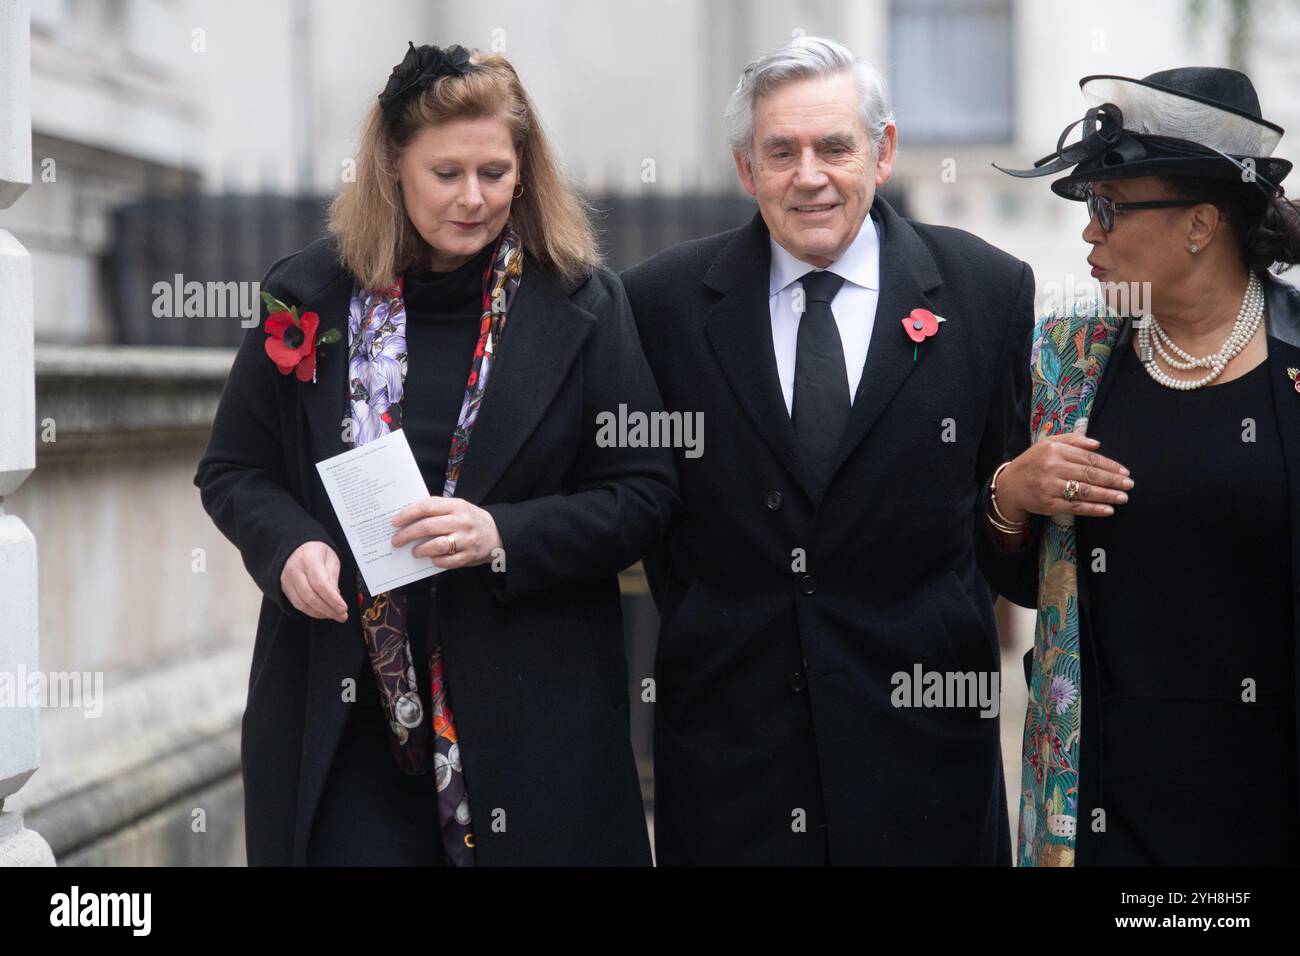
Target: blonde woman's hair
(376,238)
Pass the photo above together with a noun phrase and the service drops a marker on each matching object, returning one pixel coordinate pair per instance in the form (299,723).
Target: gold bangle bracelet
(1001,521)
(1004,528)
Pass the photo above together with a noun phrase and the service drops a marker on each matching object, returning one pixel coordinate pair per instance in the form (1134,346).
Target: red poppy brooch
(291,340)
(919,325)
(1294,375)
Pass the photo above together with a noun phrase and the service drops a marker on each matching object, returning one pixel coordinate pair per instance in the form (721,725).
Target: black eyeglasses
(1104,208)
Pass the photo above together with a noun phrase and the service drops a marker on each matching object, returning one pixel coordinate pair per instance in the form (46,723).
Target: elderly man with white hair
(827,668)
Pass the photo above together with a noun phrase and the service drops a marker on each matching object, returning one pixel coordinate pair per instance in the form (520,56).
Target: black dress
(443,313)
(1185,608)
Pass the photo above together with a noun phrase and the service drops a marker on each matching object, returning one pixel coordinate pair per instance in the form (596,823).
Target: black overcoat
(775,737)
(534,655)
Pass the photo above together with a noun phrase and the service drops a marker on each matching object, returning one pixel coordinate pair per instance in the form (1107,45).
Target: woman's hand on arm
(1035,481)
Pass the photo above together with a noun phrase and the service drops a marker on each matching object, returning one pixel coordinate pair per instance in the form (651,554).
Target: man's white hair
(805,57)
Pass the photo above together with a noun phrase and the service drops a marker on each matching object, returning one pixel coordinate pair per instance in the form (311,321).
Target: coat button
(774,500)
(807,585)
(796,682)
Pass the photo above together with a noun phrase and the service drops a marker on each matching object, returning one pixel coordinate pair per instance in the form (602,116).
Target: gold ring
(451,543)
(1071,490)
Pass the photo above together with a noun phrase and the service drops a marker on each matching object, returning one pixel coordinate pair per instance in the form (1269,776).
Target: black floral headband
(417,71)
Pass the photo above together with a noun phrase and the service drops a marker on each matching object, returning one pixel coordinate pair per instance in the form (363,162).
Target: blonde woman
(459,298)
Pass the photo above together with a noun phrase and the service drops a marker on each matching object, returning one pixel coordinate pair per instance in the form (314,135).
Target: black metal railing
(223,239)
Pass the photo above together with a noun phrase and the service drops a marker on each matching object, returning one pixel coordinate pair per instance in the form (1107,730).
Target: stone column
(19,740)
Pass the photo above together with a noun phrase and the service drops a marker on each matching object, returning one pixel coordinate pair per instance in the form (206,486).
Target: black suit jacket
(534,654)
(774,676)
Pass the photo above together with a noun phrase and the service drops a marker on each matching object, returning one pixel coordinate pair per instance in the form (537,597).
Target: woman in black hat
(1157,505)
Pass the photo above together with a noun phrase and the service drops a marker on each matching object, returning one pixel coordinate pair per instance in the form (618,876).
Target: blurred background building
(203,139)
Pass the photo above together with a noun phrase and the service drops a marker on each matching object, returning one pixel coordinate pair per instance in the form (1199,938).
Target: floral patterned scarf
(1068,355)
(377,374)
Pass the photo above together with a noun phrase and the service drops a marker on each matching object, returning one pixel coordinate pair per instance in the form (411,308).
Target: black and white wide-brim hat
(1192,121)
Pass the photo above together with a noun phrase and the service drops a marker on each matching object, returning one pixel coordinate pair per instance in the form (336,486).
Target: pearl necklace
(1249,317)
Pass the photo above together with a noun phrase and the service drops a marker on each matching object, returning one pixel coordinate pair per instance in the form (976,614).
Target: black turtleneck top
(443,312)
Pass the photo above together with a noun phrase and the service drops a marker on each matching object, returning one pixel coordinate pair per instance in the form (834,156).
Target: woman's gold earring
(519,190)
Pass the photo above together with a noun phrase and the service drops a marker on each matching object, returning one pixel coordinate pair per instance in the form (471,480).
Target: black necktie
(821,380)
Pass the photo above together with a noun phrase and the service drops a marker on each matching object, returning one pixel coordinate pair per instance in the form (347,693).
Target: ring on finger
(451,543)
(1071,490)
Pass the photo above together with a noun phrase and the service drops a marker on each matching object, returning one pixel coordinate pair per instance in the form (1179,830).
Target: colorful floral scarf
(1068,355)
(377,374)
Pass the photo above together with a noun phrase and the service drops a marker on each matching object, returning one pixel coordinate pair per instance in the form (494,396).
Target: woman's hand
(462,534)
(310,582)
(1035,482)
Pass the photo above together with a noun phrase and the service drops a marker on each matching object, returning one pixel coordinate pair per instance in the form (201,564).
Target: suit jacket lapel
(1282,324)
(544,333)
(739,328)
(1287,408)
(907,273)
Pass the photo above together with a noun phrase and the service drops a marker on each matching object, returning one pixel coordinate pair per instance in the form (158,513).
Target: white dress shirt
(854,305)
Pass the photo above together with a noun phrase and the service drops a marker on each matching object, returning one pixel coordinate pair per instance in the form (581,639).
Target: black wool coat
(534,655)
(776,741)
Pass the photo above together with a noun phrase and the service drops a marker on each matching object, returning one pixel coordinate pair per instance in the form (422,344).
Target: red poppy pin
(1294,375)
(291,340)
(919,325)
